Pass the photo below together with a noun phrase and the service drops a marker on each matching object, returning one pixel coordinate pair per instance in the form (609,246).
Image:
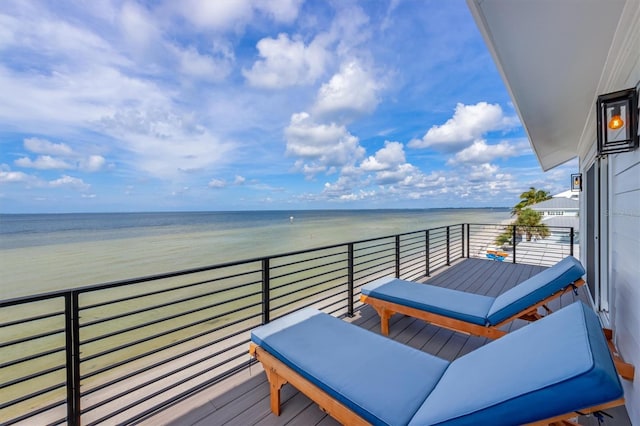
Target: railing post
(427,250)
(513,235)
(350,279)
(462,241)
(397,256)
(571,235)
(265,290)
(468,240)
(448,247)
(72,349)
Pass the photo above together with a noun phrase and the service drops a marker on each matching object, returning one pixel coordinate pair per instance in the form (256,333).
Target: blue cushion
(556,365)
(535,289)
(381,380)
(464,306)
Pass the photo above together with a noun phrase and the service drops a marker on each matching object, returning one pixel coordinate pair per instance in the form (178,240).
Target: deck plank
(243,399)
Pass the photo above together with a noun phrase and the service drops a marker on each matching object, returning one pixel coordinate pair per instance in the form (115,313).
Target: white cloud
(39,30)
(214,66)
(469,122)
(322,147)
(286,62)
(217,183)
(138,27)
(8,30)
(70,182)
(390,156)
(388,20)
(93,163)
(165,144)
(221,183)
(7,176)
(235,14)
(403,174)
(349,94)
(346,188)
(310,170)
(43,146)
(481,152)
(391,168)
(216,15)
(62,157)
(393,177)
(483,172)
(399,183)
(43,162)
(280,10)
(70,99)
(351,30)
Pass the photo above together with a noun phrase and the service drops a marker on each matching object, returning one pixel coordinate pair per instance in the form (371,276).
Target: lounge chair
(539,374)
(468,312)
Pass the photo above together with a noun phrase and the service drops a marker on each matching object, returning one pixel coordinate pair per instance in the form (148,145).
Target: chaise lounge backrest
(558,364)
(535,289)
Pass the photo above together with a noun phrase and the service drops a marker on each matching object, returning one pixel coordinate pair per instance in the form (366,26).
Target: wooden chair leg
(275,383)
(385,315)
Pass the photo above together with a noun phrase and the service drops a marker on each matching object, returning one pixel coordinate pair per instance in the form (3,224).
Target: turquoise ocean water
(46,252)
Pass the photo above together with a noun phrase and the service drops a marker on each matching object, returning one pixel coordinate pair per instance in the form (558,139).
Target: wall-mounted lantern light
(618,122)
(576,182)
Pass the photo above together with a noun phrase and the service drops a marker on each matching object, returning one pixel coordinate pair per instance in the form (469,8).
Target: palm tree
(505,238)
(529,223)
(530,197)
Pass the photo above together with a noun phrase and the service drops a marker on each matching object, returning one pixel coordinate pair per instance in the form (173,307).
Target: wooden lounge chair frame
(625,370)
(386,309)
(279,374)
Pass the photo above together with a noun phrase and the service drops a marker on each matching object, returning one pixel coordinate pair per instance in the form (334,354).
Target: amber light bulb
(616,121)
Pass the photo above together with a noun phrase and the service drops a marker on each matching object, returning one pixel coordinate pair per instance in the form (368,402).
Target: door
(596,256)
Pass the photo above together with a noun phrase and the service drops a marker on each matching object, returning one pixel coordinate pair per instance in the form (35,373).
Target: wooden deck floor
(243,399)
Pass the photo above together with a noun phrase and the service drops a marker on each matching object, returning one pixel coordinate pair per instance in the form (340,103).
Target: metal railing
(119,352)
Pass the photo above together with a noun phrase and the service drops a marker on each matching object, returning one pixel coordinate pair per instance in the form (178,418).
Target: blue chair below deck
(544,371)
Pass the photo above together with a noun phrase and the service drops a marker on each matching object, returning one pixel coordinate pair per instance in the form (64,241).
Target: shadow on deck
(243,399)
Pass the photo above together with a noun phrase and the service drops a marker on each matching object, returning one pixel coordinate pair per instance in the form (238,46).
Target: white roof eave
(551,55)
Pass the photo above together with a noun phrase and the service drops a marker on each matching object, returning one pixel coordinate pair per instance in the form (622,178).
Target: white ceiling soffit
(551,54)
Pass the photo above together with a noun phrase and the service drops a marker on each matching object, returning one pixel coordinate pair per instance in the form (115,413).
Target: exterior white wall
(623,208)
(623,211)
(624,266)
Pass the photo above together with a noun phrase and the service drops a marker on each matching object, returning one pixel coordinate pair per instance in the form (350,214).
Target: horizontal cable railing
(119,352)
(538,245)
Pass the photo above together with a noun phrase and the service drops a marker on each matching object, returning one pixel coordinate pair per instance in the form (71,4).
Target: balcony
(244,398)
(173,347)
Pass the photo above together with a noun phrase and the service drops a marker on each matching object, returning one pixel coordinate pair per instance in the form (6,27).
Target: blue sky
(273,104)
